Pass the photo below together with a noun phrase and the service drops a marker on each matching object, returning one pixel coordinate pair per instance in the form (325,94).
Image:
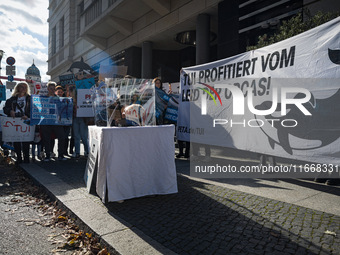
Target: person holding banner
(161,100)
(19,105)
(47,130)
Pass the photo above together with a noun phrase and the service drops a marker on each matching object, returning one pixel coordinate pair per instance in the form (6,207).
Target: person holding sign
(47,130)
(19,105)
(80,130)
(60,93)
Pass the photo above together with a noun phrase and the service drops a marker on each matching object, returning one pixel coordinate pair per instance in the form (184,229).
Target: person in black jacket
(19,105)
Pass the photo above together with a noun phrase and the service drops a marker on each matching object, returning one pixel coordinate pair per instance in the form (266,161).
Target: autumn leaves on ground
(18,195)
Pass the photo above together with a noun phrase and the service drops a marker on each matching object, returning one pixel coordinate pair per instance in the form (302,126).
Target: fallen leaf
(62,218)
(59,250)
(103,252)
(327,232)
(274,234)
(19,194)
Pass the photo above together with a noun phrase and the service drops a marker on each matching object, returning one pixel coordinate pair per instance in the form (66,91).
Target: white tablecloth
(135,161)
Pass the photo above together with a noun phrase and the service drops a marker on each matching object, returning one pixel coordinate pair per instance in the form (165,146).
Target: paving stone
(208,219)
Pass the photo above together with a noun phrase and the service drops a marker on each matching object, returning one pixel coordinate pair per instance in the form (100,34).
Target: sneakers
(179,155)
(41,156)
(62,158)
(75,155)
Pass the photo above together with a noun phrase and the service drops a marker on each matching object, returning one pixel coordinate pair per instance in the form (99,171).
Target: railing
(93,11)
(111,2)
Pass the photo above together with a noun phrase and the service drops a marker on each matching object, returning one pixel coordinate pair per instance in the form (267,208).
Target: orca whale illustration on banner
(281,100)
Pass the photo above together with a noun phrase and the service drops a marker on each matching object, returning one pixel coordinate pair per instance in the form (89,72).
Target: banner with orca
(281,100)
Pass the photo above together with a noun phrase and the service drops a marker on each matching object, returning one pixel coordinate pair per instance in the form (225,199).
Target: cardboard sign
(15,130)
(84,103)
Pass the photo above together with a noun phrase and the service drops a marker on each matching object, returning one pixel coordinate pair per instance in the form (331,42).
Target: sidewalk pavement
(229,216)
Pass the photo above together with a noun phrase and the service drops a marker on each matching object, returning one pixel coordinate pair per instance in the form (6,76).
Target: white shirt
(21,103)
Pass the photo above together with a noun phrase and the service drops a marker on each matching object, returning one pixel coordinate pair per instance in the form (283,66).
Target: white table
(135,161)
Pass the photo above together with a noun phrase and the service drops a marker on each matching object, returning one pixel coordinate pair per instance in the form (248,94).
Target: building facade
(149,38)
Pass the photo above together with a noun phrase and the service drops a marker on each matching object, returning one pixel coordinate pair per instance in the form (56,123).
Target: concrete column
(147,60)
(203,39)
(228,26)
(133,60)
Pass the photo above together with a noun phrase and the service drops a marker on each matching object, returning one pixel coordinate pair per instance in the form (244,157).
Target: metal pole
(1,55)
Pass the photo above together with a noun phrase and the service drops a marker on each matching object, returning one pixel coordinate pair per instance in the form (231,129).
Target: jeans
(38,146)
(22,147)
(80,132)
(46,133)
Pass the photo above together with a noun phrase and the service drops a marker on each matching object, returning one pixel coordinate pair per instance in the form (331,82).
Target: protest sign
(2,92)
(84,101)
(112,97)
(280,100)
(51,110)
(85,84)
(16,130)
(67,79)
(171,112)
(38,88)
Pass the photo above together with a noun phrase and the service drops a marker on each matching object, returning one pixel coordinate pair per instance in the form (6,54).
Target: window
(54,40)
(61,33)
(80,10)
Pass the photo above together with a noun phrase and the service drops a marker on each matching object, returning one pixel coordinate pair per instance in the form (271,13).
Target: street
(242,216)
(31,223)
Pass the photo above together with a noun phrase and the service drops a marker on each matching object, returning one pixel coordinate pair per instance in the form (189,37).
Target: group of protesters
(19,105)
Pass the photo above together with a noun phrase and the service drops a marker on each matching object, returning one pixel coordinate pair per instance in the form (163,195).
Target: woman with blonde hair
(19,105)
